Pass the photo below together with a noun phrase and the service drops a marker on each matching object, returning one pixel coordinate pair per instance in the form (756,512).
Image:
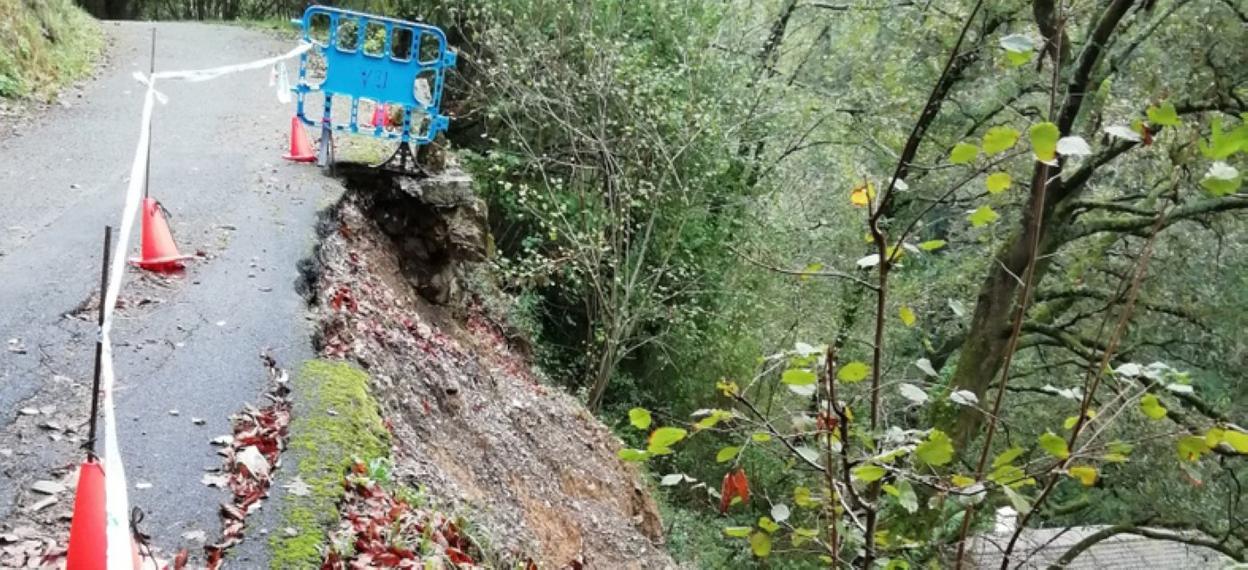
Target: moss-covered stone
(322,446)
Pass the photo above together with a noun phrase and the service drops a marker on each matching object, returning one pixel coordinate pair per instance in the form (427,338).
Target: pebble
(47,487)
(43,504)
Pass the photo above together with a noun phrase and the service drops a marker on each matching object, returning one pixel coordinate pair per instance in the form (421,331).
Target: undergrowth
(47,43)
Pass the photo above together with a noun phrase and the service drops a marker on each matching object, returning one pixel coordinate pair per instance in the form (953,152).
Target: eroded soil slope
(526,462)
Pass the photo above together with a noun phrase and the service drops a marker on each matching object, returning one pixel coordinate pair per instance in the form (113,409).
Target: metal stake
(151,70)
(99,344)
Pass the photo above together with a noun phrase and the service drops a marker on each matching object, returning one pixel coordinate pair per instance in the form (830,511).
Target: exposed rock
(435,222)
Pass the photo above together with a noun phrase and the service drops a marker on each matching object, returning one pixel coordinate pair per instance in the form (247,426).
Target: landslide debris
(470,423)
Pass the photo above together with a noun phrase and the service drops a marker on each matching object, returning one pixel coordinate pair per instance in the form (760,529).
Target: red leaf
(214,558)
(735,485)
(179,561)
(458,557)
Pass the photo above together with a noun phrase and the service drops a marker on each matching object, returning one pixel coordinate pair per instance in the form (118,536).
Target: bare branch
(1137,224)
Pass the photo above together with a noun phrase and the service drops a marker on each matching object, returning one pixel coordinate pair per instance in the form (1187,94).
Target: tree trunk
(987,339)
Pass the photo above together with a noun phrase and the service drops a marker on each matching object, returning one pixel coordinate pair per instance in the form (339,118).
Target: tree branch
(1137,224)
(1156,534)
(1081,292)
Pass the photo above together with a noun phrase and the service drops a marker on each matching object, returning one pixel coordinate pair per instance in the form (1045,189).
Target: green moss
(48,44)
(322,446)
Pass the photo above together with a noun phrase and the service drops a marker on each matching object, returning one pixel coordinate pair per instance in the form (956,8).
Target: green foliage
(47,44)
(1044,138)
(936,450)
(963,153)
(983,216)
(639,417)
(1054,445)
(1164,115)
(999,139)
(998,182)
(853,372)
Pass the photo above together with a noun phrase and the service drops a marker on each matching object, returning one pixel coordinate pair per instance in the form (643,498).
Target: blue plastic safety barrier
(394,64)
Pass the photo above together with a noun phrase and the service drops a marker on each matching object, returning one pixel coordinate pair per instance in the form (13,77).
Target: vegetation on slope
(336,423)
(47,43)
(900,263)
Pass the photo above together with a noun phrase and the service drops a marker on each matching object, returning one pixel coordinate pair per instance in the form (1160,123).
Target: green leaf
(1017,500)
(727,454)
(801,498)
(982,215)
(1044,141)
(737,531)
(1222,145)
(1192,447)
(639,417)
(868,473)
(662,439)
(760,544)
(802,536)
(1086,474)
(998,182)
(906,497)
(1122,447)
(932,245)
(761,437)
(960,480)
(1222,179)
(999,139)
(853,372)
(1164,115)
(963,153)
(1011,476)
(1054,444)
(798,377)
(811,268)
(1007,457)
(936,450)
(1238,440)
(767,524)
(1114,458)
(1018,58)
(1152,407)
(1070,422)
(632,455)
(712,419)
(907,316)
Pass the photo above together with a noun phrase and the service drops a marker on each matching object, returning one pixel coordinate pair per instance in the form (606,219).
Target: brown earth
(524,462)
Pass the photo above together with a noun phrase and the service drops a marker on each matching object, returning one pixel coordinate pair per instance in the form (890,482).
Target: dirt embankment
(524,462)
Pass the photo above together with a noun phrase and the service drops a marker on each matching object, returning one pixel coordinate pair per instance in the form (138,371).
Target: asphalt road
(194,347)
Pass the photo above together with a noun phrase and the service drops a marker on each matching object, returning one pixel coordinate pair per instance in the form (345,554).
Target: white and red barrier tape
(117,506)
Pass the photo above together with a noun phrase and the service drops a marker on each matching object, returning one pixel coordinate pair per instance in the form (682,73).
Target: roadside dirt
(526,463)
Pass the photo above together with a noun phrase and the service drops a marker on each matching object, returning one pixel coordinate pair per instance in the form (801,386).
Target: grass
(336,421)
(48,43)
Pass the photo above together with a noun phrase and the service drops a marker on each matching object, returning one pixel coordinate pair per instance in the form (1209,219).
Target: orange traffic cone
(159,251)
(87,542)
(300,145)
(379,116)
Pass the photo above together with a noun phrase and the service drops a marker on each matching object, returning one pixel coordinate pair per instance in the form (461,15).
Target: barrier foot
(399,161)
(325,153)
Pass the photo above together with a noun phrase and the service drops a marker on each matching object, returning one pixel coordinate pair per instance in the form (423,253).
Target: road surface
(193,343)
